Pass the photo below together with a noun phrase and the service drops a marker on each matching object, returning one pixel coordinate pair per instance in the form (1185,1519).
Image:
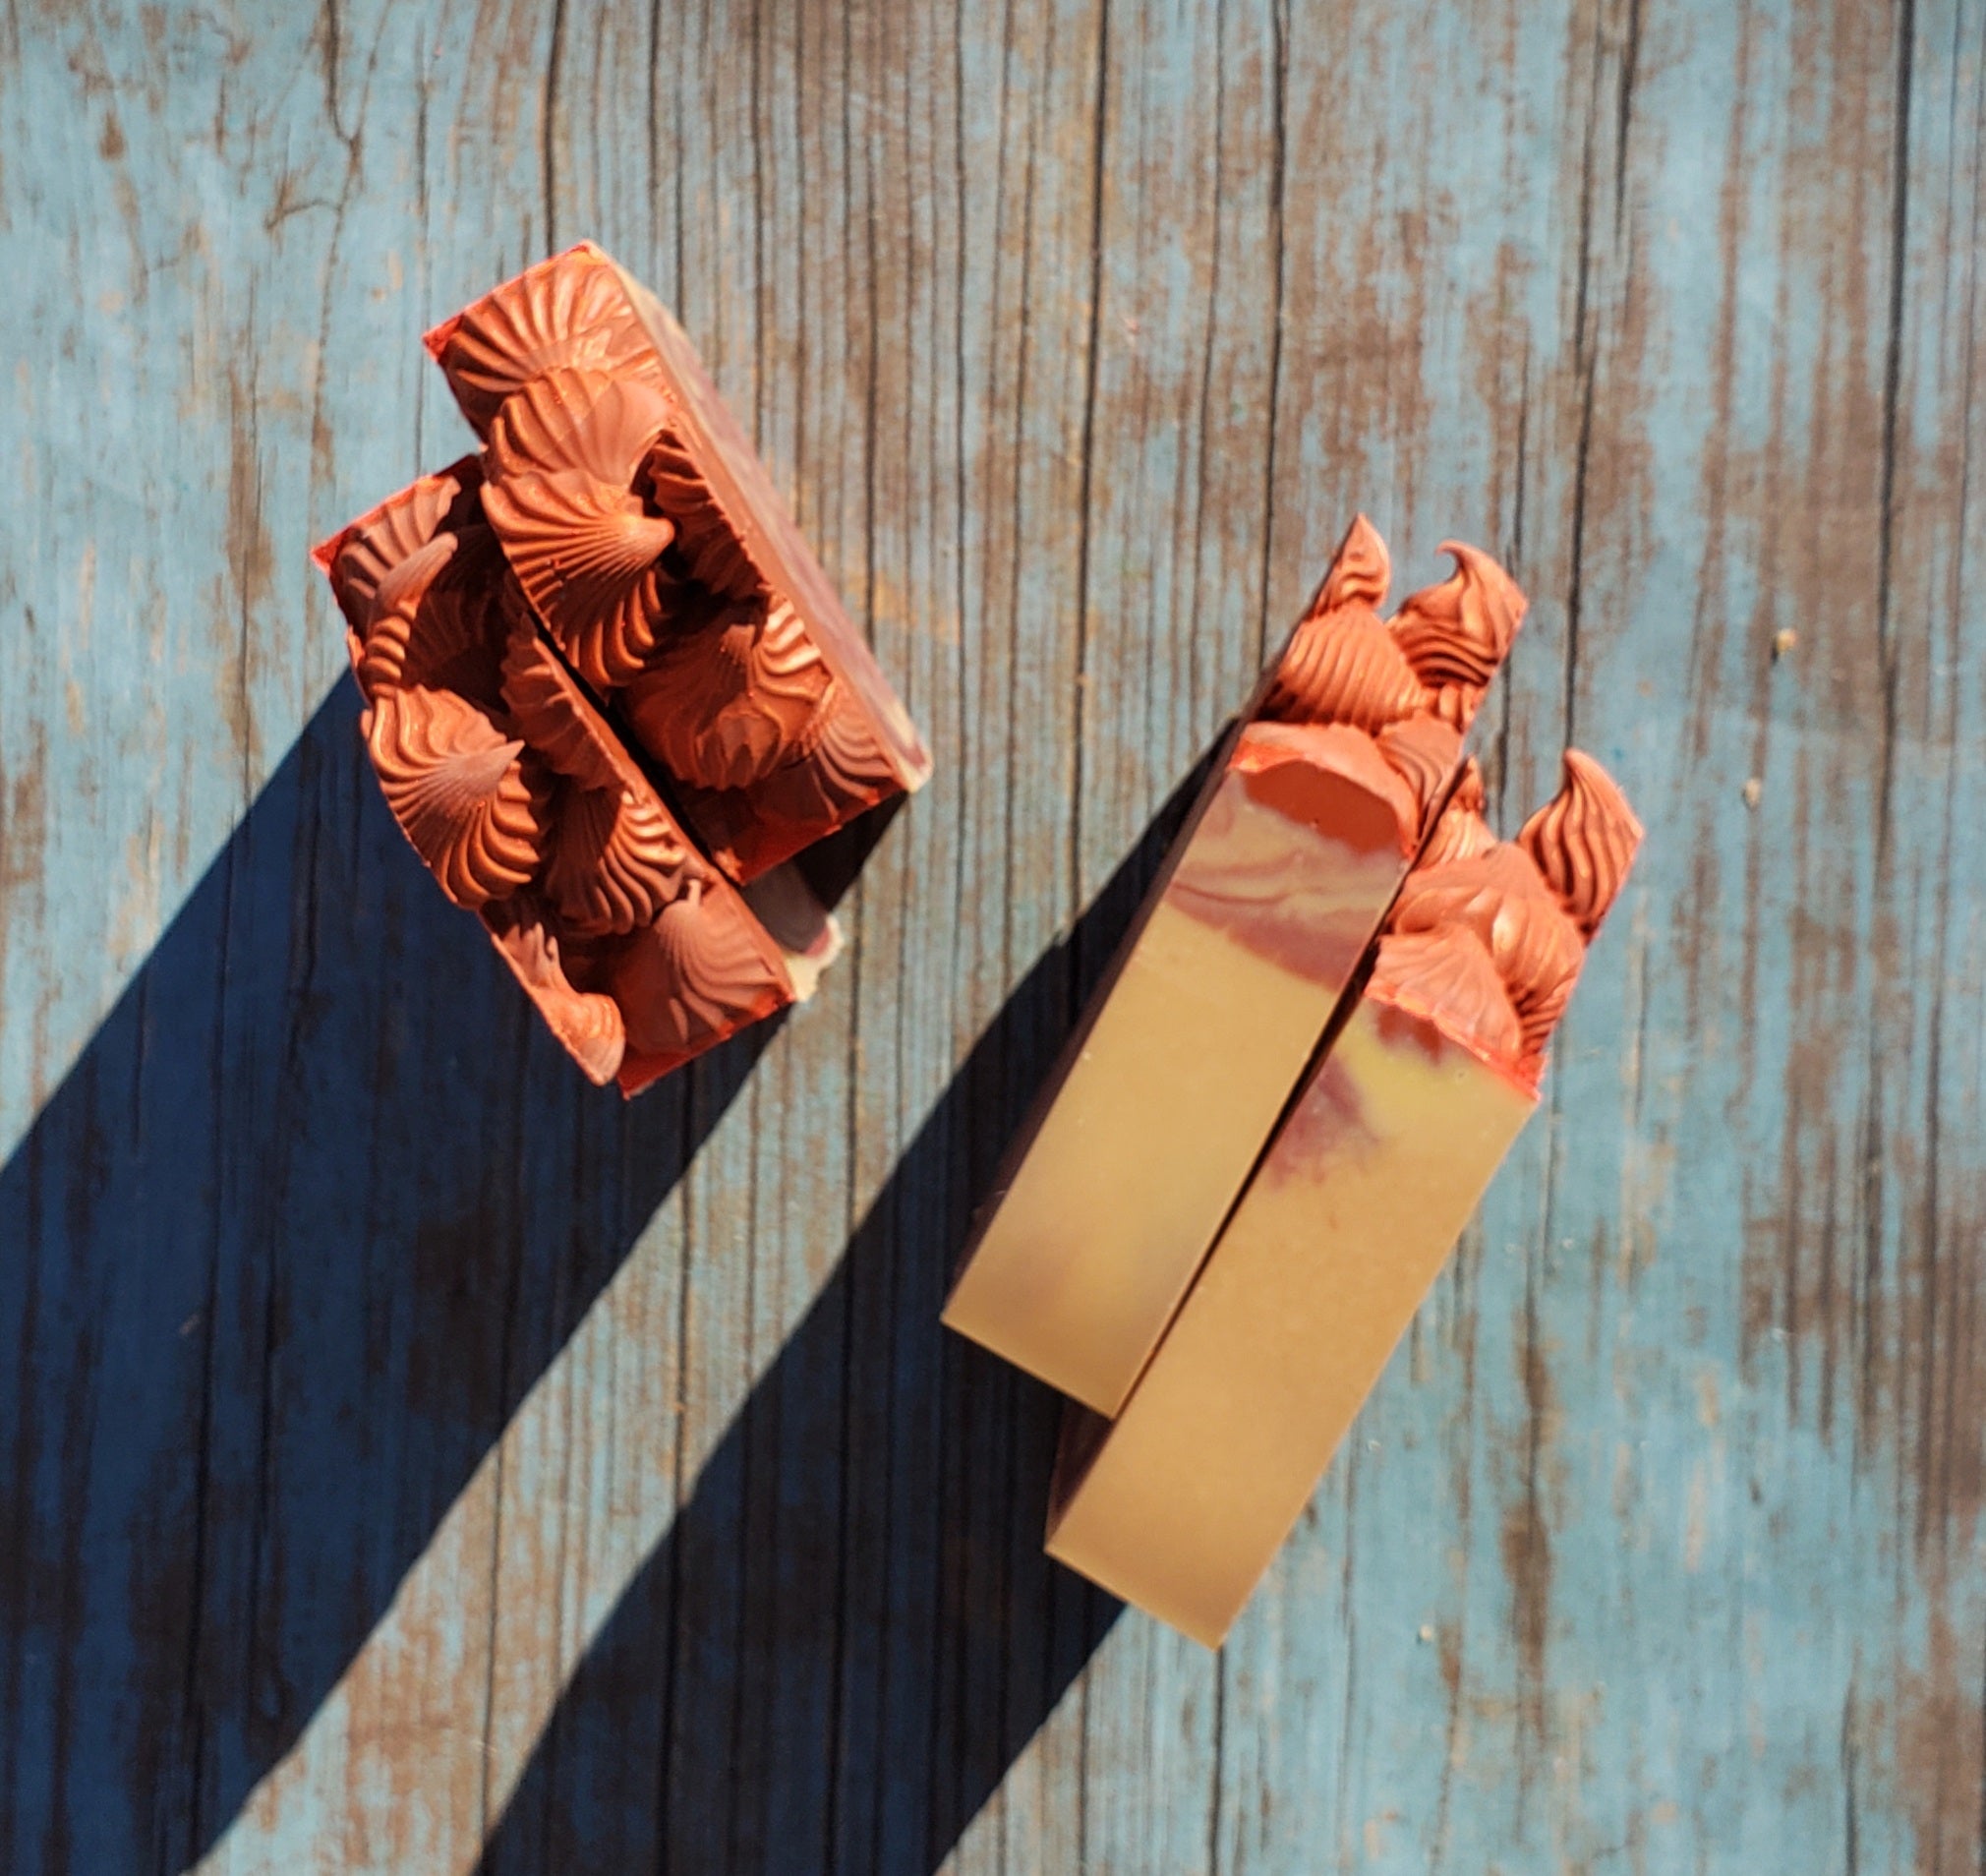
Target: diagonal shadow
(850,1631)
(278,1261)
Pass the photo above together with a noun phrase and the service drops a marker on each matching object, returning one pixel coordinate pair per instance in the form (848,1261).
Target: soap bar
(1180,1504)
(649,540)
(1120,1178)
(517,795)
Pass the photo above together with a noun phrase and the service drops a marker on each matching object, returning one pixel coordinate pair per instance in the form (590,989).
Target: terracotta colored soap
(650,541)
(1119,1181)
(637,951)
(1180,1503)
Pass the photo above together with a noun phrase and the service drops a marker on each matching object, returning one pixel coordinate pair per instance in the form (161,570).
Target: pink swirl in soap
(1584,841)
(587,1023)
(458,788)
(561,463)
(703,969)
(1343,667)
(569,311)
(726,706)
(1456,634)
(712,542)
(1296,883)
(616,860)
(1360,570)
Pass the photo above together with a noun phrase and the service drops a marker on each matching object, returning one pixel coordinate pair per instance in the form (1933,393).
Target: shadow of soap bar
(524,805)
(649,539)
(1181,1503)
(1120,1178)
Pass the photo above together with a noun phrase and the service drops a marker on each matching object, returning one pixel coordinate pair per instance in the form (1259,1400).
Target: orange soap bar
(651,542)
(1181,1503)
(1119,1181)
(526,808)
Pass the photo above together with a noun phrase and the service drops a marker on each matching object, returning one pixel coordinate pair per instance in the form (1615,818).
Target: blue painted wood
(412,1459)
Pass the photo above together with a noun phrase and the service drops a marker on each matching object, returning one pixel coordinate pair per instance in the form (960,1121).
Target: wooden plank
(431,1464)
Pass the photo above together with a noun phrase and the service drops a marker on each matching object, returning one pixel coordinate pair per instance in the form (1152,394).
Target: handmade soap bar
(1180,1503)
(639,953)
(648,538)
(1121,1176)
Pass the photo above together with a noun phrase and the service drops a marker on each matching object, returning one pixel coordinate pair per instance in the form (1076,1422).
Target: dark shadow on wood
(831,866)
(850,1631)
(277,1260)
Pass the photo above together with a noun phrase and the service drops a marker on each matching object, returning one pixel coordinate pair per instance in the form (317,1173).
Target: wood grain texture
(411,1458)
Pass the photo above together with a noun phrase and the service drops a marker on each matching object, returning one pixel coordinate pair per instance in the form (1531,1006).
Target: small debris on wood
(1754,788)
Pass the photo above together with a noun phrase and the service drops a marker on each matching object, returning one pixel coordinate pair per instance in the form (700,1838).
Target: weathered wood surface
(411,1460)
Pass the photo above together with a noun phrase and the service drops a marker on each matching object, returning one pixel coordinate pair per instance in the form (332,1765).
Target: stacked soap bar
(1121,1176)
(657,554)
(609,691)
(1181,1501)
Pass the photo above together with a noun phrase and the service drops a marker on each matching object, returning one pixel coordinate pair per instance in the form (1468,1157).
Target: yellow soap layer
(1155,1124)
(1186,1497)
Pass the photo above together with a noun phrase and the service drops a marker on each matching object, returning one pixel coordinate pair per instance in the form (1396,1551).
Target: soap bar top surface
(646,534)
(524,805)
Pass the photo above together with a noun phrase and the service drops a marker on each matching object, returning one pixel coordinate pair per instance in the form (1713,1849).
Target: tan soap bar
(1182,1502)
(1119,1179)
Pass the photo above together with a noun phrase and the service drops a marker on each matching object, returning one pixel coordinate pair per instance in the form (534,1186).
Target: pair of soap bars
(1284,1102)
(610,696)
(608,692)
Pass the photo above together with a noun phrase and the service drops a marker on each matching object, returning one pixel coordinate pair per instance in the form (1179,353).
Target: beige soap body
(1215,1007)
(1180,1502)
(1190,1493)
(1111,1198)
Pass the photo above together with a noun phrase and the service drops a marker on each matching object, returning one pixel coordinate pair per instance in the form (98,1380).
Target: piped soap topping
(587,1023)
(1343,667)
(713,542)
(1531,918)
(1457,634)
(461,790)
(1359,573)
(724,706)
(1583,841)
(1411,684)
(571,313)
(559,491)
(617,861)
(689,976)
(1450,978)
(359,559)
